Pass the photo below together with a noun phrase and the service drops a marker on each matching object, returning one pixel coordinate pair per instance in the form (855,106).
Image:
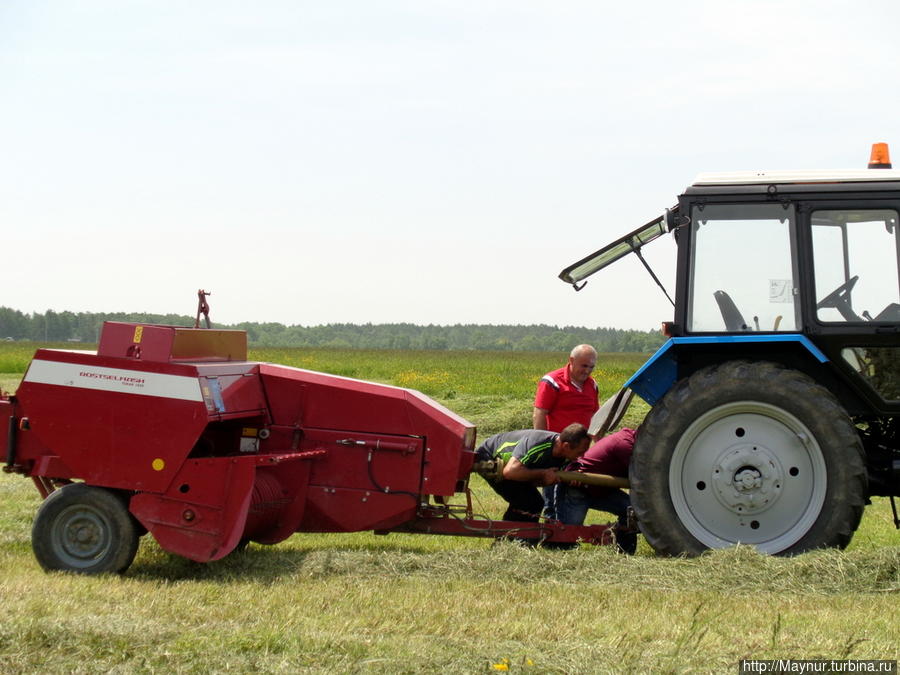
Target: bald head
(582,361)
(583,350)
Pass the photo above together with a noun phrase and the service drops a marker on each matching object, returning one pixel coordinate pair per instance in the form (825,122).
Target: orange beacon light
(880,157)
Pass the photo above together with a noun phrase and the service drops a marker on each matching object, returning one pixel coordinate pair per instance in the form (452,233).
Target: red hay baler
(173,431)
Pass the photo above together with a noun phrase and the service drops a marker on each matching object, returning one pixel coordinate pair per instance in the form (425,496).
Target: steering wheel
(839,298)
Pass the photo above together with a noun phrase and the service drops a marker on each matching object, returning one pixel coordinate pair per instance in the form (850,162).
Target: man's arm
(515,470)
(544,402)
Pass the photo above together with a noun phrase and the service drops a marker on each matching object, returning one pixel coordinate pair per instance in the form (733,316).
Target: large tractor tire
(84,529)
(751,453)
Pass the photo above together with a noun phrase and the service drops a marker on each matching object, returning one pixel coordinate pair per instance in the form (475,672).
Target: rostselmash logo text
(121,379)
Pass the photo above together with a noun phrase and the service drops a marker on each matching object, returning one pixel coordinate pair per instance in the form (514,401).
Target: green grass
(410,604)
(363,603)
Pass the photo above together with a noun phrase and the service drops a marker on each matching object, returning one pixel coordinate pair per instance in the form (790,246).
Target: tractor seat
(734,320)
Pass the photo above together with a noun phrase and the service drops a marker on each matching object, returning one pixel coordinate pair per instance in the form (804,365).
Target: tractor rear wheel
(84,529)
(751,453)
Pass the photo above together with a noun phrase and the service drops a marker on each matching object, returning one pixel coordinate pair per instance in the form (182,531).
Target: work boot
(626,542)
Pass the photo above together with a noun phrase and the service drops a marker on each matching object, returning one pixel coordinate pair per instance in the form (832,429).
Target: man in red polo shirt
(569,394)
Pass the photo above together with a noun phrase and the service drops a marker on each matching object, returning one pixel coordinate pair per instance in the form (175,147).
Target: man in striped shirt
(531,458)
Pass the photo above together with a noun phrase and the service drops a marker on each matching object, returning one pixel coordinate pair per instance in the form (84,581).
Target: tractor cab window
(856,253)
(743,269)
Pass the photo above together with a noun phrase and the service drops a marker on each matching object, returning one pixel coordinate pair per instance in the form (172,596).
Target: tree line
(65,326)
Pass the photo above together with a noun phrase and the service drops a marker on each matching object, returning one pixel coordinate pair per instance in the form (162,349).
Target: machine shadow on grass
(255,563)
(271,563)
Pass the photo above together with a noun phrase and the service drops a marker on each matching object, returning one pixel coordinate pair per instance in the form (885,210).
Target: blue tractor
(775,402)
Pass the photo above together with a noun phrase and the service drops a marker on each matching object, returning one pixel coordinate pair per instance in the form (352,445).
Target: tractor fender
(660,372)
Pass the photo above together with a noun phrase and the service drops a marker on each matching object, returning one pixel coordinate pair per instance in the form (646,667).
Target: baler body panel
(352,510)
(204,514)
(113,423)
(210,449)
(311,400)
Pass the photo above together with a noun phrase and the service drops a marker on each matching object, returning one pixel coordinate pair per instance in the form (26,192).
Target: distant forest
(85,327)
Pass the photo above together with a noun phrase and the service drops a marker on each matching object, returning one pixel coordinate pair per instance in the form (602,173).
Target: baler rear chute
(172,430)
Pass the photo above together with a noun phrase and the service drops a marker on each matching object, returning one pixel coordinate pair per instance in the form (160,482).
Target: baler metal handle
(379,444)
(11,438)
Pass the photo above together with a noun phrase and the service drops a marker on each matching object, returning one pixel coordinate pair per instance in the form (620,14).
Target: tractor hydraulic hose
(386,489)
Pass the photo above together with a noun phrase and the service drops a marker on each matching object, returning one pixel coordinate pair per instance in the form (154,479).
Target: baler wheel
(84,529)
(748,452)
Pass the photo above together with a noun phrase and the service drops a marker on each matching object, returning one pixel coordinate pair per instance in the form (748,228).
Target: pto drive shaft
(492,469)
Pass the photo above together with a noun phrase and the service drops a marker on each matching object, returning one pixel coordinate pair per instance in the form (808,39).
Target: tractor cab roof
(879,171)
(797,177)
(819,181)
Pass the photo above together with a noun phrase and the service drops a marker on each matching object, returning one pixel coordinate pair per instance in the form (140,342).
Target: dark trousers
(570,505)
(525,501)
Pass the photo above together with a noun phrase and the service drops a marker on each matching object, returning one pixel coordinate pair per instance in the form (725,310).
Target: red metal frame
(441,519)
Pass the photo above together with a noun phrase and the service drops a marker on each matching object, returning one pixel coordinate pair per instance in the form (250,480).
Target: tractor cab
(806,262)
(814,254)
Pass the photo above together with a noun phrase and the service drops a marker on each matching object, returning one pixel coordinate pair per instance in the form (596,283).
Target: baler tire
(84,529)
(748,452)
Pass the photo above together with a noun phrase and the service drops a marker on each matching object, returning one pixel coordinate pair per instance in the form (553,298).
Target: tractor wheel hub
(747,478)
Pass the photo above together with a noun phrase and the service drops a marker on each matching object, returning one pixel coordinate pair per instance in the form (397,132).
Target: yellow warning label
(158,464)
(248,432)
(138,334)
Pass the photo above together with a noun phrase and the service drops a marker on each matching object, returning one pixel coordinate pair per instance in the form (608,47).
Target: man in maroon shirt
(569,394)
(570,503)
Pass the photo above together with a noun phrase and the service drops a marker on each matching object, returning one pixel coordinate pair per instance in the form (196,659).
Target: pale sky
(425,162)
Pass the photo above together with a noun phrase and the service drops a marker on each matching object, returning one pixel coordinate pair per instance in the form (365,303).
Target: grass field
(410,604)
